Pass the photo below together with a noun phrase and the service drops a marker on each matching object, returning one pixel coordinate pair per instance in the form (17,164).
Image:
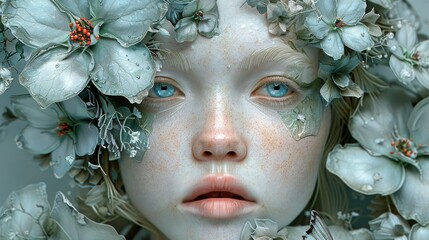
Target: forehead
(242,31)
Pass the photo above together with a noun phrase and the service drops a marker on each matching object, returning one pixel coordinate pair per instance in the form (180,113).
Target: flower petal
(75,225)
(332,45)
(419,232)
(422,48)
(127,21)
(357,37)
(25,107)
(351,11)
(327,8)
(329,91)
(186,30)
(422,76)
(402,70)
(317,26)
(363,172)
(30,23)
(55,75)
(207,27)
(190,9)
(86,138)
(22,210)
(373,124)
(120,71)
(76,109)
(206,5)
(407,37)
(77,8)
(63,157)
(418,124)
(37,141)
(411,200)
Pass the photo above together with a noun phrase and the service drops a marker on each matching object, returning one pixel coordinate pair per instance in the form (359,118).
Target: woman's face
(237,134)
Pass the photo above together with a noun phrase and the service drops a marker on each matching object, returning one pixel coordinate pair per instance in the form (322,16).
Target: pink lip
(205,199)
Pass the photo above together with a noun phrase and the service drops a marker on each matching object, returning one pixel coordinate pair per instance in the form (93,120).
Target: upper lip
(221,185)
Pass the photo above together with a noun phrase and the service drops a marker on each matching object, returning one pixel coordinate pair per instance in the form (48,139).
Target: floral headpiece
(87,62)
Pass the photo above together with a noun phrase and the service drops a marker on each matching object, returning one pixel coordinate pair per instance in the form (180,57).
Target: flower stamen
(80,32)
(63,129)
(339,23)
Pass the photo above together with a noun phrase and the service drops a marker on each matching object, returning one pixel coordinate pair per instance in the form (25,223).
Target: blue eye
(163,90)
(277,89)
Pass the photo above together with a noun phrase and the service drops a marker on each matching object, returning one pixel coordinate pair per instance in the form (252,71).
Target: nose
(219,139)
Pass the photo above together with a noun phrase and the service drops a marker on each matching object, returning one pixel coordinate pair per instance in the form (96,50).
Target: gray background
(17,169)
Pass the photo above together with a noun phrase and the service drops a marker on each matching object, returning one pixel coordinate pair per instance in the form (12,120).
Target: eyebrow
(291,58)
(176,60)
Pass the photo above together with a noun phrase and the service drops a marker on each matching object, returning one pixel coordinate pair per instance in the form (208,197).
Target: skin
(221,108)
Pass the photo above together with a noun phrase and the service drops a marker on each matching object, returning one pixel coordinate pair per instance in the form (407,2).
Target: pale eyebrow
(176,60)
(292,59)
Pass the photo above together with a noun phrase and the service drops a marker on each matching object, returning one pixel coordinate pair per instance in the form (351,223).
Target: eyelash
(273,101)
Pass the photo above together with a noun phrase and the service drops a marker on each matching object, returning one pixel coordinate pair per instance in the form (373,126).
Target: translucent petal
(76,109)
(54,75)
(407,37)
(86,138)
(395,48)
(75,225)
(422,48)
(206,5)
(63,157)
(332,45)
(208,25)
(341,80)
(37,141)
(374,123)
(357,37)
(120,71)
(77,8)
(328,9)
(412,199)
(402,70)
(418,123)
(30,23)
(422,76)
(20,210)
(419,232)
(186,30)
(351,11)
(317,26)
(25,107)
(352,91)
(363,172)
(329,91)
(190,9)
(127,21)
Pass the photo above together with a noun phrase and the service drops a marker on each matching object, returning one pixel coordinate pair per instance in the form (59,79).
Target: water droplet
(405,74)
(19,144)
(70,160)
(366,188)
(137,64)
(57,65)
(138,77)
(300,117)
(372,118)
(379,140)
(365,122)
(148,68)
(377,177)
(145,54)
(393,48)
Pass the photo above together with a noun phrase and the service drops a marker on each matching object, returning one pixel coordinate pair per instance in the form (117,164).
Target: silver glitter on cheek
(304,119)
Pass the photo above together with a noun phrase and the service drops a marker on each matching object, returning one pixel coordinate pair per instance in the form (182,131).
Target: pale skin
(218,118)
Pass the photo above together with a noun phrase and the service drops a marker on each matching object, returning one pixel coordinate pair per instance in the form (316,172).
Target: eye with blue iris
(277,89)
(163,89)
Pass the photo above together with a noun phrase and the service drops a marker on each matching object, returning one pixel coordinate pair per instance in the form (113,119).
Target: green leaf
(126,72)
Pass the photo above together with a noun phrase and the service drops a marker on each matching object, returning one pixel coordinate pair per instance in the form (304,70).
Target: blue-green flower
(199,17)
(337,23)
(281,16)
(336,75)
(80,40)
(410,59)
(392,156)
(26,214)
(389,226)
(63,130)
(5,79)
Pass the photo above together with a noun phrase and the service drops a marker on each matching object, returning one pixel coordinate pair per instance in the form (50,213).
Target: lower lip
(219,208)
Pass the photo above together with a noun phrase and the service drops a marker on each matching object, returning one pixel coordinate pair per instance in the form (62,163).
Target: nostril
(207,154)
(231,154)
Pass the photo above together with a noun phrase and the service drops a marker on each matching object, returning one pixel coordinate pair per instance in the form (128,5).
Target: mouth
(219,197)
